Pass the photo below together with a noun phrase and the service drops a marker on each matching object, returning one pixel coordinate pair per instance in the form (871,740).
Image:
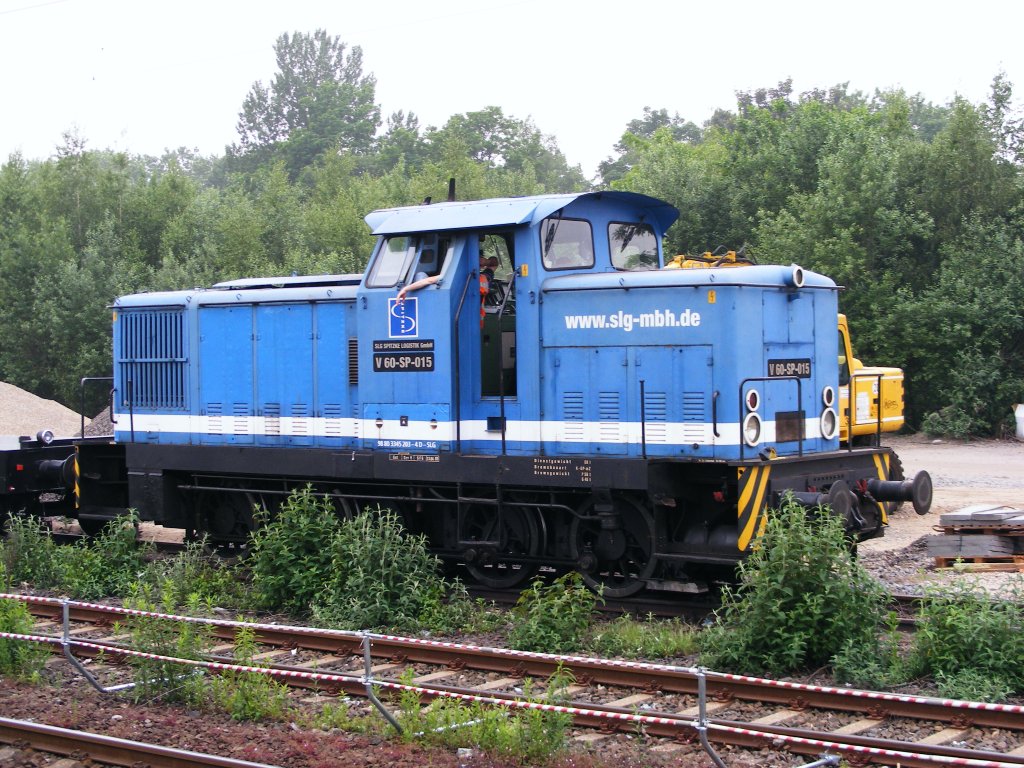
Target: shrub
(971,643)
(107,565)
(155,679)
(196,573)
(800,599)
(291,559)
(30,554)
(951,421)
(553,618)
(379,575)
(20,658)
(92,568)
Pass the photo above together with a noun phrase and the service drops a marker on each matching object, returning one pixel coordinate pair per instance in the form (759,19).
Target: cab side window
(566,243)
(844,364)
(633,247)
(433,255)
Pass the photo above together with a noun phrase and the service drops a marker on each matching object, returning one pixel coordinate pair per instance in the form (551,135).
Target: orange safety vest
(485,288)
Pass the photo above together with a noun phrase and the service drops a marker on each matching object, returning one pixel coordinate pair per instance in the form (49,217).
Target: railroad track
(108,750)
(677,704)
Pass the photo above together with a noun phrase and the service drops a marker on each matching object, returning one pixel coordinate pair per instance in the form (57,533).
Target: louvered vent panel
(353,362)
(240,419)
(610,417)
(656,417)
(272,418)
(332,420)
(300,419)
(572,415)
(215,418)
(694,418)
(152,358)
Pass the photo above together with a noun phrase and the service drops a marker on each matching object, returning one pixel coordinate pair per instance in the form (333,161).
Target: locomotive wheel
(518,536)
(225,517)
(615,563)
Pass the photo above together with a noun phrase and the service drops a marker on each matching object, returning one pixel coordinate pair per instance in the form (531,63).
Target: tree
(965,333)
(319,101)
(613,169)
(1007,131)
(506,145)
(401,142)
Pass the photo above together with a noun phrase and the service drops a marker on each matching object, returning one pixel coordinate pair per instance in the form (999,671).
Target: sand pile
(22,413)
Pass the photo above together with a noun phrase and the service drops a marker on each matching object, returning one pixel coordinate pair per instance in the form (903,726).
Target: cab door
(406,344)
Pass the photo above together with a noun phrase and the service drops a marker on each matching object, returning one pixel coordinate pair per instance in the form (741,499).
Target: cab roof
(506,211)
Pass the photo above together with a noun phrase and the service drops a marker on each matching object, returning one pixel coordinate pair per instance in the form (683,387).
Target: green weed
(650,639)
(553,617)
(249,695)
(19,658)
(92,568)
(525,736)
(971,644)
(29,554)
(801,598)
(196,573)
(290,560)
(167,680)
(379,576)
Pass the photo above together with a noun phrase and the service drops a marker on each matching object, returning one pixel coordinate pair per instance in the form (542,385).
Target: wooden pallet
(983,537)
(1007,564)
(995,530)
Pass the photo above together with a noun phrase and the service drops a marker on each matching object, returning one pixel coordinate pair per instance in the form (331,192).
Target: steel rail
(653,677)
(111,750)
(678,726)
(642,675)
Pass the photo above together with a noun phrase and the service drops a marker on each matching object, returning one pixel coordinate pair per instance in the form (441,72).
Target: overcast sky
(145,75)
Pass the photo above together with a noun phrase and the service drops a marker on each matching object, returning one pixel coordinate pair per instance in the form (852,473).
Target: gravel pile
(100,424)
(22,413)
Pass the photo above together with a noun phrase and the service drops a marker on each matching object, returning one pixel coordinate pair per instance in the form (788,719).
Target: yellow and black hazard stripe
(882,470)
(753,490)
(78,493)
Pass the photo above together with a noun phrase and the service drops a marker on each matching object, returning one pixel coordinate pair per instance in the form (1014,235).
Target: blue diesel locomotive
(548,395)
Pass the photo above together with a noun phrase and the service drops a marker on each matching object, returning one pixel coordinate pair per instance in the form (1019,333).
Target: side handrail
(81,387)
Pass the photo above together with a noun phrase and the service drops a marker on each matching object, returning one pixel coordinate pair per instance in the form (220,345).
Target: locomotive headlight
(828,423)
(752,429)
(828,396)
(753,399)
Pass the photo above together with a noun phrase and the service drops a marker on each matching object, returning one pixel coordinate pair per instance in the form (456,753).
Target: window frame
(639,224)
(557,221)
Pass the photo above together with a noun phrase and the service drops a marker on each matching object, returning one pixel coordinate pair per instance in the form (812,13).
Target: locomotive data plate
(799,367)
(576,470)
(430,458)
(403,356)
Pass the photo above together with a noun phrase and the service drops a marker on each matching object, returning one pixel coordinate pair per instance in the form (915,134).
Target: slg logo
(402,319)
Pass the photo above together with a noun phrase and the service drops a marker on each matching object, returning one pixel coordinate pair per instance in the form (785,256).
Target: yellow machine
(870,398)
